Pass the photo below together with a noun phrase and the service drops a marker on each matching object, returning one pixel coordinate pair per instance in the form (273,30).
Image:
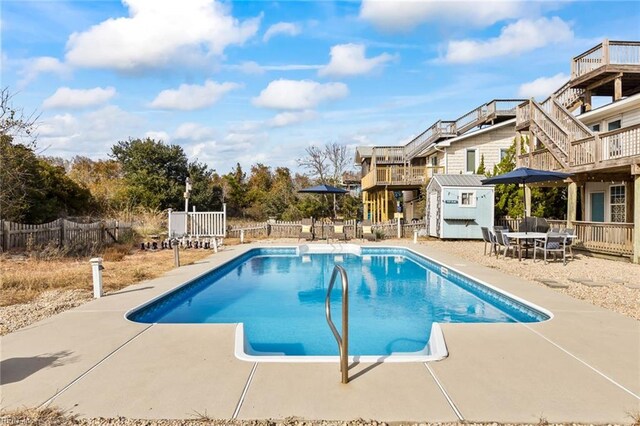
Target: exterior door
(597,206)
(433,214)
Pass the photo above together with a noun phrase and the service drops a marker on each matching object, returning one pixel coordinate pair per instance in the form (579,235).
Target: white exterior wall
(627,118)
(591,187)
(488,144)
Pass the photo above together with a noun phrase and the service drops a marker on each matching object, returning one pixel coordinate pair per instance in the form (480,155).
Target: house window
(618,203)
(595,127)
(467,199)
(614,125)
(503,153)
(433,160)
(471,161)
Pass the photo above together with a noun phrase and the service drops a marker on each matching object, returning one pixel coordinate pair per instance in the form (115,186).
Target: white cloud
(42,65)
(542,87)
(65,97)
(349,59)
(194,132)
(404,15)
(288,118)
(158,34)
(299,94)
(521,36)
(91,133)
(158,135)
(287,28)
(189,97)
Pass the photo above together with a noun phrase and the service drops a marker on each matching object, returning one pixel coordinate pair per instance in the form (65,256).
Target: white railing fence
(198,224)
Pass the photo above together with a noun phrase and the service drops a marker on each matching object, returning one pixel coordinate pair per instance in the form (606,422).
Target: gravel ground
(620,279)
(54,417)
(45,305)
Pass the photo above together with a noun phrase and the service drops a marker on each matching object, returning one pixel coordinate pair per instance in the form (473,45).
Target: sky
(260,81)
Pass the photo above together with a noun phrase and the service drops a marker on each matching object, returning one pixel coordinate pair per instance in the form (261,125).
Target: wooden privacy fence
(353,229)
(61,232)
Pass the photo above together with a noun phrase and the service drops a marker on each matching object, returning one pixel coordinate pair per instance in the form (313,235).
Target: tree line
(144,173)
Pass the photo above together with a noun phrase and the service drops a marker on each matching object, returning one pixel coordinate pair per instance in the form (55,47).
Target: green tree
(481,169)
(155,173)
(550,203)
(46,192)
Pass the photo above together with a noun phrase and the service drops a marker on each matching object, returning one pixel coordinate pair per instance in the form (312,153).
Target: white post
(169,225)
(399,228)
(242,236)
(215,245)
(96,268)
(415,236)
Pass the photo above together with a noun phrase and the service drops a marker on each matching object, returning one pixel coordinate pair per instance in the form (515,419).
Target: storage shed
(458,206)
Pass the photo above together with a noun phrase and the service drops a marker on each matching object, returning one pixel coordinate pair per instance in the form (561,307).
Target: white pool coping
(435,350)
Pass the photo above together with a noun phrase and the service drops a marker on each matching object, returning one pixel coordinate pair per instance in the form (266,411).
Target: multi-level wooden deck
(398,177)
(611,68)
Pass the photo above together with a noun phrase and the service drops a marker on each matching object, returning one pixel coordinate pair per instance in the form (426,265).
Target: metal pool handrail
(343,342)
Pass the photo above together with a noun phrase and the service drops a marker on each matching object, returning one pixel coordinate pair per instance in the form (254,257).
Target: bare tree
(315,162)
(338,158)
(14,123)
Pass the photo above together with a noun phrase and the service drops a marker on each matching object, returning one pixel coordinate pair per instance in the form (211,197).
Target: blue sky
(259,81)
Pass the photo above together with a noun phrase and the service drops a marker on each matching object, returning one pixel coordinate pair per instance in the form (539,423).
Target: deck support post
(617,89)
(518,149)
(365,205)
(527,196)
(636,216)
(385,211)
(572,203)
(586,101)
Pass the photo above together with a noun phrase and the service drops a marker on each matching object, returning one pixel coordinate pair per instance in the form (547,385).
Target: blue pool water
(395,297)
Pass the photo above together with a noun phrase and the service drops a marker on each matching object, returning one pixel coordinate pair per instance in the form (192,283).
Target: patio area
(580,366)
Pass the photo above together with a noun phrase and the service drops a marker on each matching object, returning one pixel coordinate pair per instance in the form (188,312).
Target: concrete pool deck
(581,366)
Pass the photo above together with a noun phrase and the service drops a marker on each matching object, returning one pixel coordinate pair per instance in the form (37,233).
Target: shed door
(433,214)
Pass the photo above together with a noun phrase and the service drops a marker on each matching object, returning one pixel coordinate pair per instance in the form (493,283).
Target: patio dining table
(524,236)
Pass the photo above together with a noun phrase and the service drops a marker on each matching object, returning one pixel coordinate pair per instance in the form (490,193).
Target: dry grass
(24,280)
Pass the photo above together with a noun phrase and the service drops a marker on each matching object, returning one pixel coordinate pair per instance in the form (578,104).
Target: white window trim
(466,166)
(623,204)
(500,154)
(473,198)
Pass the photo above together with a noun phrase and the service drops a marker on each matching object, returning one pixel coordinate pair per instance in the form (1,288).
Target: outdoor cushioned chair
(506,243)
(338,232)
(551,243)
(307,230)
(367,231)
(486,236)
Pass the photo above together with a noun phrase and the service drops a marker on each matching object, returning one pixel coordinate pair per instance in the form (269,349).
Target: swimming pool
(397,298)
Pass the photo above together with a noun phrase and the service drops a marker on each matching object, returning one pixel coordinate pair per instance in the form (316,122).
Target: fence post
(96,269)
(61,232)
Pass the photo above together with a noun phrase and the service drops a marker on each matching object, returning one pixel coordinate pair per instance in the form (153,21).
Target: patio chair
(506,243)
(497,239)
(307,231)
(337,231)
(569,241)
(551,243)
(486,236)
(367,231)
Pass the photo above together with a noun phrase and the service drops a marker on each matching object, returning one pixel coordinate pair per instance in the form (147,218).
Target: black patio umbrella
(525,175)
(325,189)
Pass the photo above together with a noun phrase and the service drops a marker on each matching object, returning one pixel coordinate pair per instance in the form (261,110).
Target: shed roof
(459,180)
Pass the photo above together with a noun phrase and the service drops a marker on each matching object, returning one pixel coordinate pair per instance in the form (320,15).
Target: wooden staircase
(553,124)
